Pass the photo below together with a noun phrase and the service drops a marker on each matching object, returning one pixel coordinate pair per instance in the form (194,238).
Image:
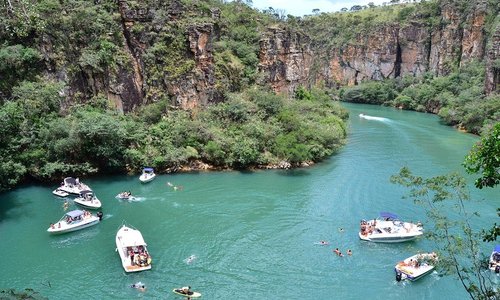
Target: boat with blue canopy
(388,228)
(147,175)
(494,264)
(74,220)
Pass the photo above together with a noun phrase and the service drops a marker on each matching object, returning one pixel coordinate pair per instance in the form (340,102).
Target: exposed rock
(288,60)
(492,78)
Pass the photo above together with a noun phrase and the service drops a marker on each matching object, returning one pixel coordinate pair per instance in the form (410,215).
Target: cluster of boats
(388,228)
(130,243)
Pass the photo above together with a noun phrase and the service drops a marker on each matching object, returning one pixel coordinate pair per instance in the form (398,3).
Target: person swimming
(139,285)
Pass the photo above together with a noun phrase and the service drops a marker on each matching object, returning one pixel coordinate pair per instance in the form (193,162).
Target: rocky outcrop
(286,58)
(388,51)
(197,88)
(492,78)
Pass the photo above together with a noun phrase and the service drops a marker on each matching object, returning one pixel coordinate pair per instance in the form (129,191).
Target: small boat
(147,175)
(75,220)
(131,247)
(87,199)
(389,229)
(60,193)
(186,292)
(494,264)
(125,196)
(73,186)
(416,266)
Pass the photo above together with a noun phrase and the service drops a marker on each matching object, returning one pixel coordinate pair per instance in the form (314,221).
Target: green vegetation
(249,129)
(443,198)
(458,98)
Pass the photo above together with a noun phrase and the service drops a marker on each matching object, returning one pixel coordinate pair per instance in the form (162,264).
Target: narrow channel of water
(253,233)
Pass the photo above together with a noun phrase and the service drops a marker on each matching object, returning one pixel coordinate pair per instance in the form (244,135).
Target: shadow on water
(10,207)
(294,172)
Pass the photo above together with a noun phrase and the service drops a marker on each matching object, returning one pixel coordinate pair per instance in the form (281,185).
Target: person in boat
(185,290)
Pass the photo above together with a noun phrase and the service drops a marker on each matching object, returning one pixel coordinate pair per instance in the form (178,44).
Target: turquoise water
(252,233)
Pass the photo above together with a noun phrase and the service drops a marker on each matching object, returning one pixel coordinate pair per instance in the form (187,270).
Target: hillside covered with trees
(111,86)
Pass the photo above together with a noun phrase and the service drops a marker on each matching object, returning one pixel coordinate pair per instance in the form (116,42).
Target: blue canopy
(147,169)
(497,248)
(75,213)
(388,215)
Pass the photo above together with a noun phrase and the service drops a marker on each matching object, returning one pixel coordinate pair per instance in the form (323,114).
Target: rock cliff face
(288,59)
(387,52)
(139,81)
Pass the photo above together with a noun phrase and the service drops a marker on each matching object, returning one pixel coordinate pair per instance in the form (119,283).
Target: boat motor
(99,215)
(497,269)
(399,276)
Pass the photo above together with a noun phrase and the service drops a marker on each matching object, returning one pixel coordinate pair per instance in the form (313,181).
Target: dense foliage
(443,198)
(249,129)
(458,98)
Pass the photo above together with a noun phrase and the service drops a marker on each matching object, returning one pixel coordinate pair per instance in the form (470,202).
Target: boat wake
(189,260)
(367,117)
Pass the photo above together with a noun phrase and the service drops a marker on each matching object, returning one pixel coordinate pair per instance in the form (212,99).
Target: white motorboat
(416,266)
(87,199)
(494,263)
(131,247)
(60,193)
(147,175)
(125,196)
(75,220)
(73,186)
(389,229)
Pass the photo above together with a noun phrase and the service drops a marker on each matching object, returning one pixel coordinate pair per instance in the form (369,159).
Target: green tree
(453,233)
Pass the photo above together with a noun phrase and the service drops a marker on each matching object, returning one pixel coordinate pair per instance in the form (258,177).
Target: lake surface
(253,233)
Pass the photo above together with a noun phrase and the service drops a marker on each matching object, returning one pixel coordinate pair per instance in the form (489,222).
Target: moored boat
(415,266)
(60,193)
(389,229)
(73,186)
(494,263)
(131,247)
(147,175)
(88,200)
(75,220)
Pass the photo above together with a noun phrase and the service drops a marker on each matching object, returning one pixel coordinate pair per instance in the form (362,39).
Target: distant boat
(389,229)
(147,175)
(74,220)
(495,259)
(87,199)
(416,266)
(73,186)
(131,247)
(367,117)
(60,193)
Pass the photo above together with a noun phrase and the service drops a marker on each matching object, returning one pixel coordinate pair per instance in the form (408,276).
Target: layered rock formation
(387,52)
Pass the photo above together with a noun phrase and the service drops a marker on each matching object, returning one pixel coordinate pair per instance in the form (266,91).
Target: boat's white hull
(90,204)
(60,193)
(63,227)
(494,265)
(147,177)
(381,231)
(388,238)
(122,250)
(413,272)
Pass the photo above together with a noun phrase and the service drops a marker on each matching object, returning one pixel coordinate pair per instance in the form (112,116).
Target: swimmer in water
(139,285)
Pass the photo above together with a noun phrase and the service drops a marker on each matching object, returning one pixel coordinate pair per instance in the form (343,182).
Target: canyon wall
(389,51)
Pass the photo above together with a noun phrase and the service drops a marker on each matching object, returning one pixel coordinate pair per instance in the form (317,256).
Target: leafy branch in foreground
(443,199)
